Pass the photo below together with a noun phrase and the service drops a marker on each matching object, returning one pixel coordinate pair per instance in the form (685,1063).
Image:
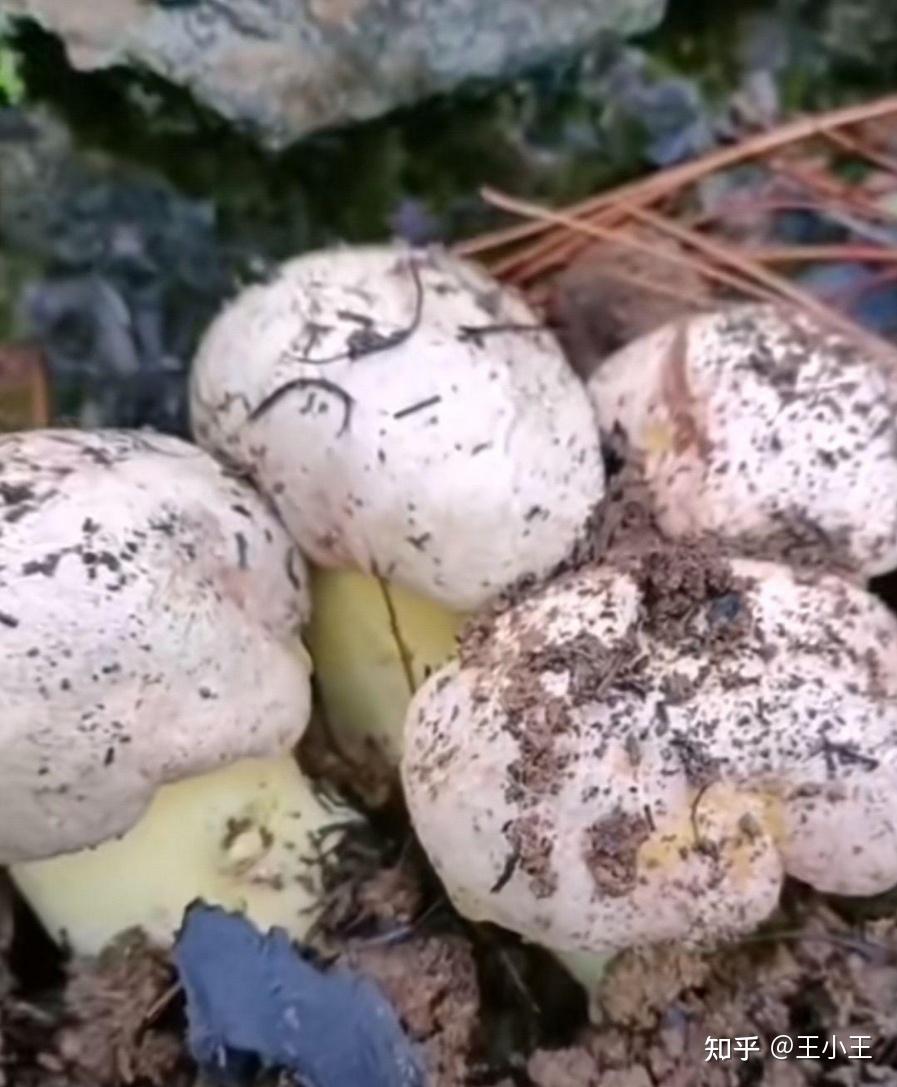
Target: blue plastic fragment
(253,1003)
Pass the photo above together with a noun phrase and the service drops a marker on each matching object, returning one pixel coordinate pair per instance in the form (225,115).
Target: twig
(299,383)
(418,405)
(859,147)
(558,218)
(811,254)
(853,198)
(477,333)
(775,283)
(671,180)
(159,1005)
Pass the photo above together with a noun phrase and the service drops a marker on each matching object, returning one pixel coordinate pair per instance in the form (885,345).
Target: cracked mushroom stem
(154,688)
(424,441)
(758,424)
(373,644)
(595,776)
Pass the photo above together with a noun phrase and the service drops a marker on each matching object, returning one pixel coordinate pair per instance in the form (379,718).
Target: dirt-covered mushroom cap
(148,602)
(758,424)
(641,754)
(408,417)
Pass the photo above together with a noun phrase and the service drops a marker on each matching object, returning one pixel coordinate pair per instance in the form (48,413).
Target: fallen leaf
(24,388)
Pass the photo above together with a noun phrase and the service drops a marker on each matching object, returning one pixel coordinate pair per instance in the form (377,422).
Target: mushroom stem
(373,643)
(589,968)
(248,837)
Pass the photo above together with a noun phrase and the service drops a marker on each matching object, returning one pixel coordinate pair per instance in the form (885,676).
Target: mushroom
(411,421)
(760,425)
(642,751)
(154,684)
(373,644)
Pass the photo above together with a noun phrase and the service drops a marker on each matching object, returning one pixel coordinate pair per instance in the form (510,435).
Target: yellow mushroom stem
(589,968)
(373,643)
(247,837)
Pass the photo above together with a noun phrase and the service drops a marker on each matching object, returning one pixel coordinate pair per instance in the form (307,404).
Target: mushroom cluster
(626,708)
(396,416)
(643,749)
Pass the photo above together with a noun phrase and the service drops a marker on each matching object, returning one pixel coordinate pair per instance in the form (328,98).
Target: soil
(609,296)
(813,976)
(102,1022)
(488,1011)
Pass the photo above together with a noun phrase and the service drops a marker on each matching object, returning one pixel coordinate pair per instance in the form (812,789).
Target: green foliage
(12,86)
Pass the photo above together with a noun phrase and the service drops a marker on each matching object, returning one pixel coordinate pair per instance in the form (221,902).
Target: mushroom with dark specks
(760,425)
(154,685)
(413,421)
(613,762)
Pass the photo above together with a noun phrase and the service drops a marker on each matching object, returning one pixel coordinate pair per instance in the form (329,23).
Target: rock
(112,272)
(283,68)
(862,31)
(668,117)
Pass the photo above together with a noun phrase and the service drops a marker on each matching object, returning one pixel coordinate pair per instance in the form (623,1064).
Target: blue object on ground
(253,1004)
(862,292)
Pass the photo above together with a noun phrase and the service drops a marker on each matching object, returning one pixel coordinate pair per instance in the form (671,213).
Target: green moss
(341,184)
(12,85)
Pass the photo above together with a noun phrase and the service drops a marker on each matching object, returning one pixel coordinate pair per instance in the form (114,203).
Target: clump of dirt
(611,852)
(682,581)
(383,919)
(828,985)
(113,1021)
(369,782)
(116,1030)
(432,983)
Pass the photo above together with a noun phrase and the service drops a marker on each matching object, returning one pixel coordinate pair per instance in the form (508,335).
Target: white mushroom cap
(149,603)
(617,763)
(757,423)
(407,417)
